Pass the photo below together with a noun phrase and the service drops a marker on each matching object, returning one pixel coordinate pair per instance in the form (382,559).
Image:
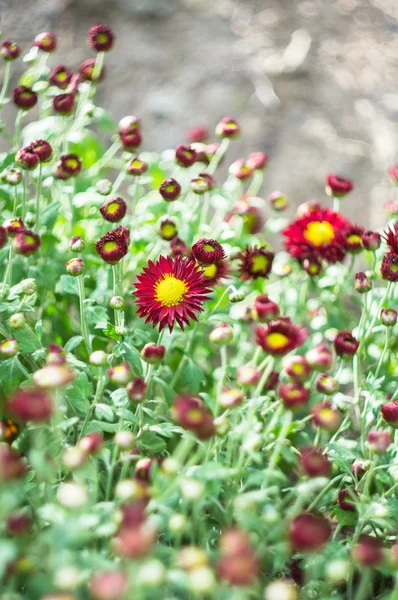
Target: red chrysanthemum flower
(389,267)
(24,97)
(207,251)
(178,247)
(216,273)
(317,234)
(100,37)
(71,164)
(26,242)
(280,337)
(114,210)
(86,70)
(60,76)
(338,186)
(170,189)
(45,41)
(14,226)
(255,262)
(193,414)
(64,104)
(172,289)
(353,238)
(345,344)
(391,237)
(42,149)
(113,245)
(10,50)
(185,155)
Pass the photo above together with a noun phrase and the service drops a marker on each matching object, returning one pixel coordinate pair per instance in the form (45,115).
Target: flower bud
(45,41)
(238,564)
(264,310)
(64,104)
(199,185)
(257,160)
(108,585)
(320,358)
(368,551)
(88,71)
(231,397)
(192,489)
(72,495)
(153,354)
(103,187)
(201,581)
(359,467)
(345,344)
(151,574)
(100,38)
(73,458)
(362,283)
(75,267)
(312,266)
(346,499)
(43,150)
(297,368)
(19,523)
(371,240)
(379,441)
(237,296)
(136,389)
(136,167)
(92,443)
(114,209)
(31,404)
(53,376)
(14,226)
(308,532)
(125,440)
(228,128)
(13,176)
(17,321)
(76,244)
(131,139)
(241,170)
(222,425)
(10,50)
(11,464)
(192,557)
(222,335)
(27,158)
(178,523)
(120,375)
(326,384)
(26,242)
(294,396)
(389,412)
(185,156)
(60,76)
(71,164)
(281,589)
(337,186)
(9,348)
(24,97)
(117,303)
(326,416)
(337,570)
(278,201)
(170,189)
(28,287)
(388,317)
(248,375)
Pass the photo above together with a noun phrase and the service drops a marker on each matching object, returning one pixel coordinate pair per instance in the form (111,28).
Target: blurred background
(311,82)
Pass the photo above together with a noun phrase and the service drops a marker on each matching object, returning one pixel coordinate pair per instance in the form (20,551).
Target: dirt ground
(312,82)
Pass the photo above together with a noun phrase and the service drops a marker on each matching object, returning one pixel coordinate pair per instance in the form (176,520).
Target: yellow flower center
(29,239)
(112,208)
(319,233)
(169,230)
(208,247)
(102,38)
(259,264)
(170,291)
(210,271)
(110,246)
(277,340)
(354,239)
(195,416)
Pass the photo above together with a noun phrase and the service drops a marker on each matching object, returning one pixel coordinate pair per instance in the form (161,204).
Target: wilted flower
(280,337)
(255,262)
(31,404)
(338,186)
(172,289)
(345,344)
(309,532)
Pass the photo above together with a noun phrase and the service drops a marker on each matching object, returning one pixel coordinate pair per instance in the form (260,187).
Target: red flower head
(185,155)
(45,41)
(42,149)
(198,134)
(26,242)
(379,441)
(31,404)
(368,551)
(255,262)
(318,234)
(321,357)
(114,209)
(388,316)
(60,76)
(326,384)
(238,564)
(280,337)
(86,70)
(10,50)
(27,158)
(64,104)
(24,97)
(314,462)
(172,289)
(241,169)
(326,416)
(231,397)
(252,215)
(278,201)
(362,283)
(136,389)
(100,38)
(393,173)
(108,585)
(113,246)
(91,443)
(371,240)
(389,412)
(294,396)
(170,189)
(389,267)
(131,139)
(14,226)
(178,247)
(207,251)
(3,236)
(308,532)
(346,500)
(153,354)
(11,464)
(353,238)
(71,164)
(257,160)
(391,238)
(192,414)
(264,310)
(337,186)
(345,344)
(136,167)
(228,128)
(216,272)
(199,185)
(297,368)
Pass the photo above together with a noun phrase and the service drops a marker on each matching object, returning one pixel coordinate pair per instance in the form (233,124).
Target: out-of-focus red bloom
(192,414)
(314,462)
(24,97)
(326,416)
(228,128)
(338,186)
(45,41)
(280,337)
(308,532)
(346,499)
(368,551)
(100,38)
(26,242)
(108,585)
(11,464)
(393,173)
(31,404)
(321,357)
(345,344)
(353,238)
(64,104)
(114,209)
(60,76)
(371,240)
(297,368)
(170,189)
(87,71)
(294,396)
(185,155)
(238,564)
(389,412)
(255,262)
(198,134)
(10,50)
(112,246)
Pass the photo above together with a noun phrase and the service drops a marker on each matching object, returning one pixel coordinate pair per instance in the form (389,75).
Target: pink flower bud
(153,354)
(136,389)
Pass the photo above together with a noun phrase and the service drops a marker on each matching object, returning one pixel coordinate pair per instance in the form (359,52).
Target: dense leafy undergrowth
(185,412)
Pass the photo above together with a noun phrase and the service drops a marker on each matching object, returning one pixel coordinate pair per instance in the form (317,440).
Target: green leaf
(10,375)
(79,394)
(27,340)
(73,342)
(68,285)
(8,552)
(110,332)
(50,214)
(104,412)
(97,316)
(192,377)
(133,357)
(151,442)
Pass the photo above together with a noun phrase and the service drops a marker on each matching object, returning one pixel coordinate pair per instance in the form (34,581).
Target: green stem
(97,397)
(376,315)
(6,81)
(17,129)
(223,147)
(83,320)
(184,359)
(256,183)
(204,212)
(336,204)
(365,589)
(222,376)
(24,194)
(383,354)
(38,192)
(117,291)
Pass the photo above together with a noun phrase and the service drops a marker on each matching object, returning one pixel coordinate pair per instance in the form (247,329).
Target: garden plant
(187,411)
